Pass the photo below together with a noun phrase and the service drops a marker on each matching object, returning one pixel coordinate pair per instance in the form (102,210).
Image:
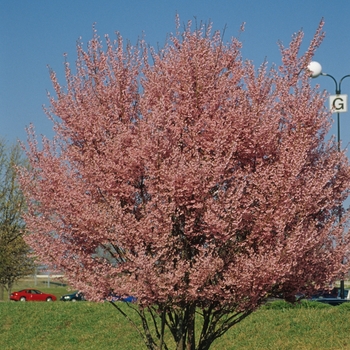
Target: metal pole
(342,287)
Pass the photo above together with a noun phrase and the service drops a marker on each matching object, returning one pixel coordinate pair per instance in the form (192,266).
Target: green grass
(312,325)
(60,325)
(85,325)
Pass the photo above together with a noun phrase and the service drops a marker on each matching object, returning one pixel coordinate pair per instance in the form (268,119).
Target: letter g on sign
(338,103)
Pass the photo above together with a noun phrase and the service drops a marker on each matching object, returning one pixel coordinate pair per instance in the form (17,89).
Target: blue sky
(36,33)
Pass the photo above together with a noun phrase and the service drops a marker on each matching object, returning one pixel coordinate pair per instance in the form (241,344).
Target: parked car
(31,295)
(332,297)
(127,299)
(76,296)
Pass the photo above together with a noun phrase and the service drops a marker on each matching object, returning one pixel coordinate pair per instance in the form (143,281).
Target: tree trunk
(191,338)
(162,326)
(9,289)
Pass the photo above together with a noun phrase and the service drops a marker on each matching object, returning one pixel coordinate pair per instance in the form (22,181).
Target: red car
(31,295)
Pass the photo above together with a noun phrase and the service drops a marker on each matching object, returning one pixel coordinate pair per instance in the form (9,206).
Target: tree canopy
(15,261)
(189,179)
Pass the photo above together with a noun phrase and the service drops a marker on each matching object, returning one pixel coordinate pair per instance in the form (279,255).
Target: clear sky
(36,33)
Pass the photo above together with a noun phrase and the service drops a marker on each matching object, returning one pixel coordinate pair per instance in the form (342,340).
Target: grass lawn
(86,325)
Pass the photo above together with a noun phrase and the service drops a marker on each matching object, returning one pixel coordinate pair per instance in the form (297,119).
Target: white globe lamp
(315,69)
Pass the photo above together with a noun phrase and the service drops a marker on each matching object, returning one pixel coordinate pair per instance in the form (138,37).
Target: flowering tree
(189,180)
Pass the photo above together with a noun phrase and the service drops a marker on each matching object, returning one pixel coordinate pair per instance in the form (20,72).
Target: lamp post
(316,70)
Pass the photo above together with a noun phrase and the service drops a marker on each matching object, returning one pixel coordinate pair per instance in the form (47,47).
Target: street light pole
(316,70)
(337,92)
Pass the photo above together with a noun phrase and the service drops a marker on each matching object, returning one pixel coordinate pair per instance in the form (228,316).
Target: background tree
(14,252)
(191,181)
